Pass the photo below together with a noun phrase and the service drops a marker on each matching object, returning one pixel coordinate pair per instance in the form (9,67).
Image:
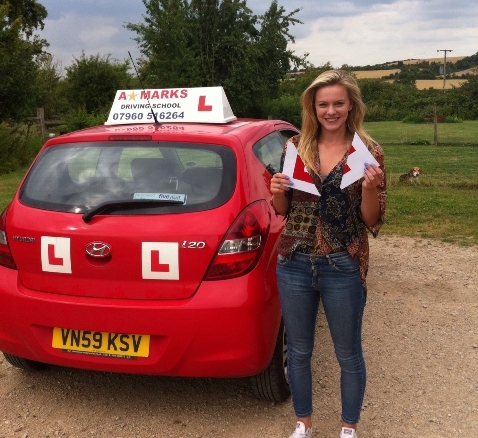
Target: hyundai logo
(98,249)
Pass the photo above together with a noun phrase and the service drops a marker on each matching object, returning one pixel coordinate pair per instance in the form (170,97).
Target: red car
(149,247)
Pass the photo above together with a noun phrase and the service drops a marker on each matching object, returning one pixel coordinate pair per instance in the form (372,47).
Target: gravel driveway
(421,347)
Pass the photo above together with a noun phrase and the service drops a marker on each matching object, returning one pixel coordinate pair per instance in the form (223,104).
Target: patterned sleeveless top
(331,222)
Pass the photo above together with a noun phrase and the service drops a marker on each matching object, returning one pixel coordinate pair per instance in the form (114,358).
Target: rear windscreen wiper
(130,204)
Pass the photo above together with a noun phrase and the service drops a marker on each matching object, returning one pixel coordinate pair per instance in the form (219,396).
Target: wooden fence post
(41,123)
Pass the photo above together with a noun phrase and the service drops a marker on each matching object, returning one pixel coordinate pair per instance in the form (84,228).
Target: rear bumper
(227,329)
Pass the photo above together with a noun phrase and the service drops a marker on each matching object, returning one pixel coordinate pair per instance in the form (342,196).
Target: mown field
(425,84)
(421,84)
(453,134)
(375,74)
(442,204)
(435,59)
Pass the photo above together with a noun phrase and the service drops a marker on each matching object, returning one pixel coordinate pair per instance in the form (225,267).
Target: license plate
(101,343)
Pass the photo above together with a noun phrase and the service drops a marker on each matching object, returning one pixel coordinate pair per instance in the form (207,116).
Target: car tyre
(273,384)
(25,364)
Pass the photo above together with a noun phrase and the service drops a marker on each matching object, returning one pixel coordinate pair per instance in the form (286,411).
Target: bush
(415,118)
(19,144)
(81,119)
(420,142)
(287,107)
(453,119)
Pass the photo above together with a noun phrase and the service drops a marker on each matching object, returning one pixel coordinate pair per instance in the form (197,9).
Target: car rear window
(79,177)
(269,149)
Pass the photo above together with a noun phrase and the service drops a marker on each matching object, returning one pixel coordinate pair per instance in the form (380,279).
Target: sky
(353,32)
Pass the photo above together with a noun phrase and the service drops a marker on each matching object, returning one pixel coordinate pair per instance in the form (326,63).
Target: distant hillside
(426,73)
(463,62)
(452,59)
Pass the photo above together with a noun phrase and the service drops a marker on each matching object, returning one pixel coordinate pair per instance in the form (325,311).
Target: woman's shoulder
(375,149)
(372,145)
(294,140)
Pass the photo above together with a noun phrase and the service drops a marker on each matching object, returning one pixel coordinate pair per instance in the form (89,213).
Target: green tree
(385,100)
(407,76)
(31,13)
(274,60)
(47,86)
(91,82)
(18,68)
(217,43)
(165,41)
(464,99)
(467,62)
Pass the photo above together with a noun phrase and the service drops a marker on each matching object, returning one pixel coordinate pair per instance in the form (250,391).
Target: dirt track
(421,347)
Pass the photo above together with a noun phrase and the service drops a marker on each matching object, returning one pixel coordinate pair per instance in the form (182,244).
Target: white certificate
(353,170)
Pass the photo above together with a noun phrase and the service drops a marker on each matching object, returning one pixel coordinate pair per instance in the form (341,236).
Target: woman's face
(332,106)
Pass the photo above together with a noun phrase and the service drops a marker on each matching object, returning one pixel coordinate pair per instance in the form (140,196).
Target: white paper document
(358,156)
(353,170)
(295,169)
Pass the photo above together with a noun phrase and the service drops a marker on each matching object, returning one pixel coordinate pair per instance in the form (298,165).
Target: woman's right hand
(280,184)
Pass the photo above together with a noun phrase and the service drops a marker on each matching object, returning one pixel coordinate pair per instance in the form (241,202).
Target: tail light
(243,244)
(6,258)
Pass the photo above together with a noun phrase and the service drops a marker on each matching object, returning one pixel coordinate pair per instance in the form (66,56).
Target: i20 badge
(98,250)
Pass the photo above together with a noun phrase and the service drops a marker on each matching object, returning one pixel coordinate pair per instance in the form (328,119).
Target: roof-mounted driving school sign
(198,105)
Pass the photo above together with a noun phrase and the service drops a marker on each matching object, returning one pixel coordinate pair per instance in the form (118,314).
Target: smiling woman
(323,249)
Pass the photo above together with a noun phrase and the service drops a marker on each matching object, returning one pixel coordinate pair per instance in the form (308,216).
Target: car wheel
(273,384)
(25,364)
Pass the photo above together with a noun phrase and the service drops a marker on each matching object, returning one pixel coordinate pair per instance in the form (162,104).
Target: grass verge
(465,133)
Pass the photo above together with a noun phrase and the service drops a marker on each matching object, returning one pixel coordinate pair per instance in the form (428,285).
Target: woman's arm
(280,185)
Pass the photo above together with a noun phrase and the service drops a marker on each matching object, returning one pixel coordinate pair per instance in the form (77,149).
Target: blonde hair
(311,127)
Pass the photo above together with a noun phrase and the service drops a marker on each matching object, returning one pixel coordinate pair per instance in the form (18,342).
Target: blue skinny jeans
(304,280)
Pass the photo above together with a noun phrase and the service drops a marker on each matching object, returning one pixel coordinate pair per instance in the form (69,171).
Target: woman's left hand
(373,176)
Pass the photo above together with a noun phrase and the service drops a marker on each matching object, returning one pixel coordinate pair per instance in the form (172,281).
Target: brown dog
(412,175)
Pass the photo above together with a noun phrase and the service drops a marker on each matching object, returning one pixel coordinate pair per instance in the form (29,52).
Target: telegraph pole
(444,66)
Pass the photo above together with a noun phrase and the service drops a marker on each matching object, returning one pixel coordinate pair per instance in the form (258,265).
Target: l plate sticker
(55,254)
(160,260)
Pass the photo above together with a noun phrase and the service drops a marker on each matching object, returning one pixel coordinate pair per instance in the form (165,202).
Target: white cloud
(354,32)
(388,32)
(72,34)
(100,30)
